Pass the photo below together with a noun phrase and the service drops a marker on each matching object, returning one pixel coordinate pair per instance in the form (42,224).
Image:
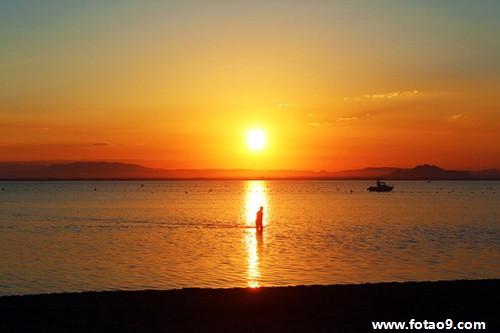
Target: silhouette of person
(258,220)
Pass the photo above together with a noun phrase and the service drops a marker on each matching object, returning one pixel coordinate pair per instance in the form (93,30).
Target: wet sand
(335,308)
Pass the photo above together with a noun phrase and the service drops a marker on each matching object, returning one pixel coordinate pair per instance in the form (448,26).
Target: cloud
(70,145)
(347,118)
(24,127)
(395,94)
(332,123)
(384,96)
(456,116)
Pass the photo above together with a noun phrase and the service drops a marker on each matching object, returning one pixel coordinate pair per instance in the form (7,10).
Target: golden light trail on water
(255,198)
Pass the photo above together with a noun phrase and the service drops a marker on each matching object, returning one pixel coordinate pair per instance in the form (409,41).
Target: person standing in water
(258,220)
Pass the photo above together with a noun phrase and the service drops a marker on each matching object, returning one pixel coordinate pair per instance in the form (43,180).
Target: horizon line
(137,163)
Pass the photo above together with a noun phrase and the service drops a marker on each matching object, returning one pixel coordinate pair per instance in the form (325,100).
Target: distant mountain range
(113,170)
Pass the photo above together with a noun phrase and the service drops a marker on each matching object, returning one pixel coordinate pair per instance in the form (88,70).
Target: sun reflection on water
(255,198)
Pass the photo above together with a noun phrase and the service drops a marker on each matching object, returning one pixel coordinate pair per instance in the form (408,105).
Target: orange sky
(335,85)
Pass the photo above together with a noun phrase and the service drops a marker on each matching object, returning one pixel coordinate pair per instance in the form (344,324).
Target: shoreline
(319,308)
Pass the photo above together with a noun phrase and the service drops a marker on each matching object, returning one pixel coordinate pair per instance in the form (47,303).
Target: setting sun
(256,139)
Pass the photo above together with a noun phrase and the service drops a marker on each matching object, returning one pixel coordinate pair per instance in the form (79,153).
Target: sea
(72,236)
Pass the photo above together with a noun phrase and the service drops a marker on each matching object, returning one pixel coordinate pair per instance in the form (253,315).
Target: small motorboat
(381,187)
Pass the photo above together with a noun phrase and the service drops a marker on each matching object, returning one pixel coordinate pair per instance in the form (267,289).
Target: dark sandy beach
(336,308)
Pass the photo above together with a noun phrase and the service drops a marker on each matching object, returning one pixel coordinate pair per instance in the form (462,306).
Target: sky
(178,84)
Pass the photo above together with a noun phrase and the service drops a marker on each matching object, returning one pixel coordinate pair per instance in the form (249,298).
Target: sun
(256,139)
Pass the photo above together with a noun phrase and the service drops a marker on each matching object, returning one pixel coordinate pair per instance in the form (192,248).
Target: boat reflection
(254,199)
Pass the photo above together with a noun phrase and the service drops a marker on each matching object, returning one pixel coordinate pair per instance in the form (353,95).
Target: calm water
(66,236)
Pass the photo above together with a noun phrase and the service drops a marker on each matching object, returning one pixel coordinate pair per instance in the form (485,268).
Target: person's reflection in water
(260,243)
(258,220)
(259,246)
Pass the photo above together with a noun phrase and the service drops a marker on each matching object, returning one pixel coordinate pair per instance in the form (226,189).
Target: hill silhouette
(429,172)
(125,171)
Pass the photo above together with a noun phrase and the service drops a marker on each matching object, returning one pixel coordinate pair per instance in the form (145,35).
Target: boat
(381,187)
